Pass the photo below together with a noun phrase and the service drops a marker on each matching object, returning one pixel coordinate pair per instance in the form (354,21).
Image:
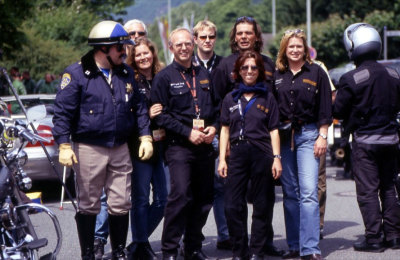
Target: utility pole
(309,23)
(273,18)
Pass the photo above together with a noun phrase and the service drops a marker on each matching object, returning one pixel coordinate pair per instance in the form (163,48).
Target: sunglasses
(204,37)
(246,67)
(119,47)
(140,33)
(245,18)
(294,31)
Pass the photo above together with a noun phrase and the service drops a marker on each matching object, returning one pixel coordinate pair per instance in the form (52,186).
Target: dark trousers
(374,167)
(190,199)
(248,163)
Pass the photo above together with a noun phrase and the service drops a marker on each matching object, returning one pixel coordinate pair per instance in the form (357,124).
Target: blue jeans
(145,217)
(218,204)
(101,230)
(300,191)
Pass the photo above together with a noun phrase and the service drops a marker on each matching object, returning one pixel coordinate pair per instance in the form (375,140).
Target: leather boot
(145,252)
(86,225)
(118,228)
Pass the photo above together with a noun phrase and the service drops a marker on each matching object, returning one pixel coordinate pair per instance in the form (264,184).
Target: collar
(180,68)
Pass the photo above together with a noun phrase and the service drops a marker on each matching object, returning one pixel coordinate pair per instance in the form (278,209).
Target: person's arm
(276,149)
(223,145)
(321,142)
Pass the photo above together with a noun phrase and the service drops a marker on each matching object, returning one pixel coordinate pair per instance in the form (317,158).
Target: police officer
(368,99)
(97,107)
(245,35)
(189,116)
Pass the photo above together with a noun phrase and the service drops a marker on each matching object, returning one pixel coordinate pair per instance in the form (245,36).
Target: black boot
(145,252)
(86,225)
(118,228)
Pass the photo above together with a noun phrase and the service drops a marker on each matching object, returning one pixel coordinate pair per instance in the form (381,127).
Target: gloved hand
(146,147)
(66,156)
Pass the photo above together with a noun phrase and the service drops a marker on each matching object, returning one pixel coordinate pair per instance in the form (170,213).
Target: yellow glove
(66,156)
(146,147)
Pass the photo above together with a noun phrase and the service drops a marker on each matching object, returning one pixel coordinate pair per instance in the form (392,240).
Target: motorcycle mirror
(36,113)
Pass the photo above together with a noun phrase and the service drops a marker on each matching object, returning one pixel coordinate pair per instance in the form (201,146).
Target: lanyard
(209,69)
(243,113)
(193,91)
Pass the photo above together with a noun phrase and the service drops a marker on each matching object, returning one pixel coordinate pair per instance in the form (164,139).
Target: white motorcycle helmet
(108,33)
(361,39)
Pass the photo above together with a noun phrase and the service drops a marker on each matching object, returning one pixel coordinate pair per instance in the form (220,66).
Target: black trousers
(248,163)
(374,169)
(190,199)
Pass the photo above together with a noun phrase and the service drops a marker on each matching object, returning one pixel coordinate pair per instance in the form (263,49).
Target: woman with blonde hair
(303,94)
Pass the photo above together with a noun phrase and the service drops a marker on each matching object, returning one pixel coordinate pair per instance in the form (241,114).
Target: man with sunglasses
(136,29)
(245,35)
(205,36)
(189,116)
(97,107)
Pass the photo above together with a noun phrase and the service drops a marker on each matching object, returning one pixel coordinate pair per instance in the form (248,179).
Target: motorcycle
(340,150)
(18,239)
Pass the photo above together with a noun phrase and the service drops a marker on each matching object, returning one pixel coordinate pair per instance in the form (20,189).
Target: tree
(12,14)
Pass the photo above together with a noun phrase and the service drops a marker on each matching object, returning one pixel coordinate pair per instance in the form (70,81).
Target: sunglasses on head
(204,37)
(140,33)
(246,67)
(245,18)
(294,31)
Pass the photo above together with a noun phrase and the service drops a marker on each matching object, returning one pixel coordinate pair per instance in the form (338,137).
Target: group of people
(209,131)
(24,84)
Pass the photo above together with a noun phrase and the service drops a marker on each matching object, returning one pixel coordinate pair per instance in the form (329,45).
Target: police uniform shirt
(261,118)
(92,111)
(222,75)
(305,97)
(368,99)
(171,90)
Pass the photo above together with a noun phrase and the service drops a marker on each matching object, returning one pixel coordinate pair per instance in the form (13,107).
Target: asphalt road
(343,224)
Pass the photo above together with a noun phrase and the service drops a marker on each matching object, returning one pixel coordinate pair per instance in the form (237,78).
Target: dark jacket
(91,112)
(368,99)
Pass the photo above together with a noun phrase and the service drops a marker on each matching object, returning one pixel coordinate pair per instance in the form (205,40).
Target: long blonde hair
(282,61)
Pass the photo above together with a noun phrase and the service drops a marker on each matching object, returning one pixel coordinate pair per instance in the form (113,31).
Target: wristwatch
(277,156)
(323,136)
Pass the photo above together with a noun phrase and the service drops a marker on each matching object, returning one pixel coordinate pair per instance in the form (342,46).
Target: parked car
(38,166)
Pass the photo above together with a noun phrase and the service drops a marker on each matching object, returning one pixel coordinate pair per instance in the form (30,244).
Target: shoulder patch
(66,79)
(392,73)
(361,76)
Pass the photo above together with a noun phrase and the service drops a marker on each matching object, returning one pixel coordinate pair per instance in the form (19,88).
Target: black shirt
(368,99)
(170,89)
(211,63)
(222,75)
(305,97)
(261,118)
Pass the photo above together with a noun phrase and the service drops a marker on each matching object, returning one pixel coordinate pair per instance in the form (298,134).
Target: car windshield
(28,102)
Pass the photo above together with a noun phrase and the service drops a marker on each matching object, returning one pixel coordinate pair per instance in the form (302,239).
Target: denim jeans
(218,204)
(145,217)
(101,230)
(300,191)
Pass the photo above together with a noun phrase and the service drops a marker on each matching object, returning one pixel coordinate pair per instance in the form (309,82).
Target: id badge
(198,124)
(158,135)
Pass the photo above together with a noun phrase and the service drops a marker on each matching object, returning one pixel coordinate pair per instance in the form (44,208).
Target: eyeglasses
(180,45)
(140,33)
(204,37)
(246,68)
(294,31)
(245,18)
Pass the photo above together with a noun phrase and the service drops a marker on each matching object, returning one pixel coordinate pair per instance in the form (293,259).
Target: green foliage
(12,14)
(40,55)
